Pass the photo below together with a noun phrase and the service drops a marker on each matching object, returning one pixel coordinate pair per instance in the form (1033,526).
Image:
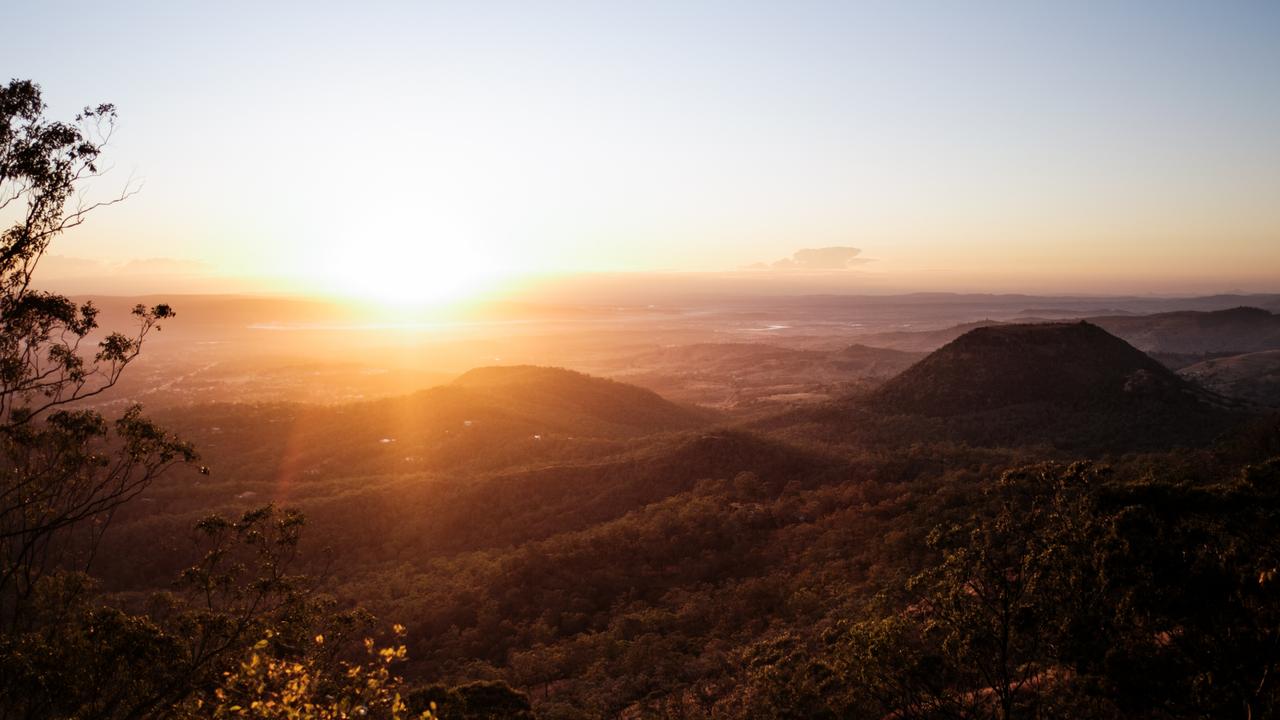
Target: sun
(407,272)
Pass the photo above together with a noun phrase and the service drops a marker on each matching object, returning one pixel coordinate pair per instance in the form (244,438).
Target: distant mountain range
(1234,330)
(1237,330)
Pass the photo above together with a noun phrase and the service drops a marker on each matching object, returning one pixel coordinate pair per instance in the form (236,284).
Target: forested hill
(672,565)
(1069,365)
(1069,386)
(560,397)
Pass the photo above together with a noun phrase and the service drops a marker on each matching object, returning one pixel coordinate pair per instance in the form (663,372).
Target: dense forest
(1032,521)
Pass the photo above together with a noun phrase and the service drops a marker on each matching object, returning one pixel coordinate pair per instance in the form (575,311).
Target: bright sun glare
(407,272)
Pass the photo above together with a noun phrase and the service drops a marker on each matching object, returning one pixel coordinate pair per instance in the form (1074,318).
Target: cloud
(837,257)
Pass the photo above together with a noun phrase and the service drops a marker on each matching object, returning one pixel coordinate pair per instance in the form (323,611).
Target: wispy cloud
(838,257)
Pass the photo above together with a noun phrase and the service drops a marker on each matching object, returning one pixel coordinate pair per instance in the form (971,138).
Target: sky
(425,150)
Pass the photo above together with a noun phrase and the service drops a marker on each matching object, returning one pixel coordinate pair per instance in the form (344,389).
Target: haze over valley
(689,361)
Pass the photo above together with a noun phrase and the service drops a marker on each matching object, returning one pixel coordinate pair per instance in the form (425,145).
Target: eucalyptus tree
(64,467)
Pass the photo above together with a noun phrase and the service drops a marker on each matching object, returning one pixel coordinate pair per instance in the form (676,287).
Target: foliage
(230,639)
(270,687)
(479,700)
(78,655)
(63,471)
(1067,595)
(717,573)
(240,637)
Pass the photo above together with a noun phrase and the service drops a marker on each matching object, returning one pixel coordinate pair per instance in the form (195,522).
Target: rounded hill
(573,399)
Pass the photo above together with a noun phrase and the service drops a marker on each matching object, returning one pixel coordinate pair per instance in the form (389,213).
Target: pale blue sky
(959,144)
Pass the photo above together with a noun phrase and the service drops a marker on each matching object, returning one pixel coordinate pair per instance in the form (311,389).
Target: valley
(629,547)
(640,361)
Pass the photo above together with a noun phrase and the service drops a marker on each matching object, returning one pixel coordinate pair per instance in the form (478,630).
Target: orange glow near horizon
(420,154)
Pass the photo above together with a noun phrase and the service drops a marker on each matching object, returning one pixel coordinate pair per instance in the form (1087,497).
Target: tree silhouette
(241,636)
(64,469)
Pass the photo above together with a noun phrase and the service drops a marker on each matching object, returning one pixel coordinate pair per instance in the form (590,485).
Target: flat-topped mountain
(1072,365)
